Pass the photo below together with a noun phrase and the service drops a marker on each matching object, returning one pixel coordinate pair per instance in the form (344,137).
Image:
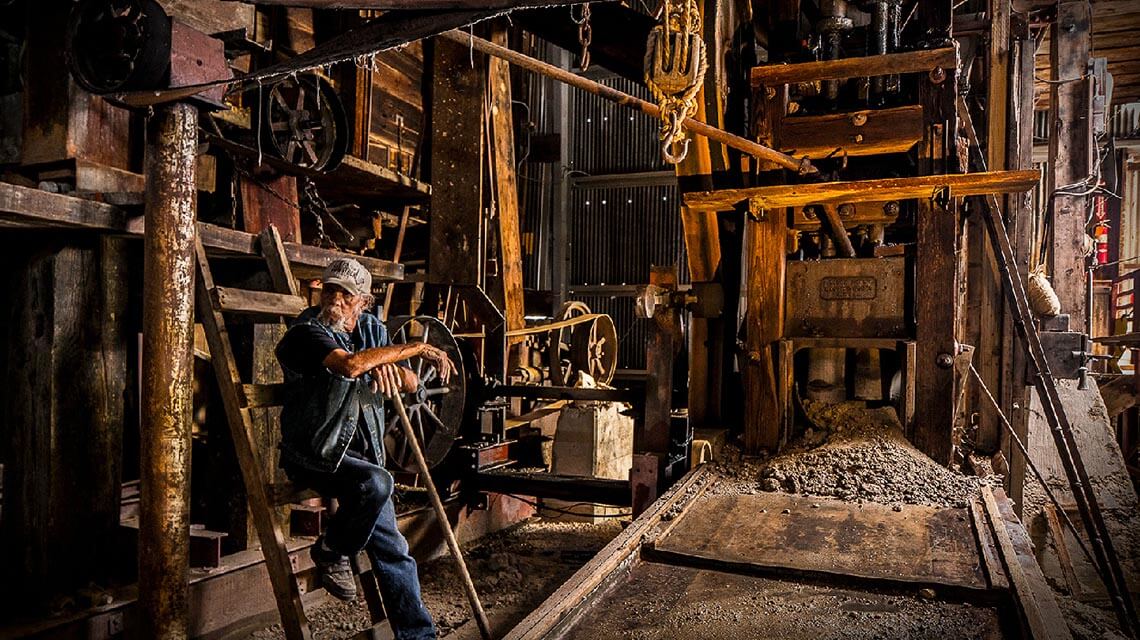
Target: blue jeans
(366,519)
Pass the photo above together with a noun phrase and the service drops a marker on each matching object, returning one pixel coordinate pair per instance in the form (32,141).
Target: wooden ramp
(698,564)
(781,534)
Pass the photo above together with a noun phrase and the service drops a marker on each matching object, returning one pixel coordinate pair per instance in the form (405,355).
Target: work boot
(335,571)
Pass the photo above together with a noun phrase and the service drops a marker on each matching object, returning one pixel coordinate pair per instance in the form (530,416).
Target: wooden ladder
(239,398)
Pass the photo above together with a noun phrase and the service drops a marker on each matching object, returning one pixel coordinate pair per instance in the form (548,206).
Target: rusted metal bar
(802,166)
(837,230)
(168,330)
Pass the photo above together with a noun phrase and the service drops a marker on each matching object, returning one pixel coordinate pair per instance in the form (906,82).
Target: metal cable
(1032,466)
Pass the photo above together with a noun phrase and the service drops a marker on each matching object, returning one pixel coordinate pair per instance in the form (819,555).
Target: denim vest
(322,411)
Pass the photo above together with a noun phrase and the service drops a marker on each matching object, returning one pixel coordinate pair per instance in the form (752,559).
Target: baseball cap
(349,275)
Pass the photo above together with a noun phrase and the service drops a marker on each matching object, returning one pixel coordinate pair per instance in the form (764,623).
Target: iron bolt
(944,360)
(809,213)
(859,119)
(846,210)
(891,208)
(937,75)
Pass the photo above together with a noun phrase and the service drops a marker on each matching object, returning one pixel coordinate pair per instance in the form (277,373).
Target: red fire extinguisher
(1100,231)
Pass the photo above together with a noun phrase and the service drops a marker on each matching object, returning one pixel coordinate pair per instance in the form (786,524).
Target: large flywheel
(435,409)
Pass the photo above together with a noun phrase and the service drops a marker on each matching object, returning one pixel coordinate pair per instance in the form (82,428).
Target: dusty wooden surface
(775,530)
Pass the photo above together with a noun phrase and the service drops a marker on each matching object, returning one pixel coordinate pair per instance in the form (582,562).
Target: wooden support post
(455,253)
(1019,144)
(936,265)
(168,336)
(766,239)
(1070,144)
(659,371)
(64,323)
(506,186)
(702,243)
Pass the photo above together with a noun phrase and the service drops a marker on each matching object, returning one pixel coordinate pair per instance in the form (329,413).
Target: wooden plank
(620,553)
(815,536)
(889,63)
(54,210)
(403,5)
(275,202)
(506,191)
(799,195)
(1057,532)
(859,133)
(245,301)
(455,255)
(1020,222)
(766,241)
(1070,149)
(1119,395)
(1034,596)
(269,530)
(264,395)
(273,250)
(995,571)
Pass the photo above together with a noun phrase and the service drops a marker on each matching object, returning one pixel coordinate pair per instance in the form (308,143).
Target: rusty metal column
(167,372)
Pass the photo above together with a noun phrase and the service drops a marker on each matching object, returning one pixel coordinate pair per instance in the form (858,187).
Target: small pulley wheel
(303,122)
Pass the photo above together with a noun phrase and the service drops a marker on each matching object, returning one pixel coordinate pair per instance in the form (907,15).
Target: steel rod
(167,366)
(744,145)
(441,516)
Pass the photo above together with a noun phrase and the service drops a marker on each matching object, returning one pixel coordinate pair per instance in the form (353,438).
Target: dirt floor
(514,571)
(663,602)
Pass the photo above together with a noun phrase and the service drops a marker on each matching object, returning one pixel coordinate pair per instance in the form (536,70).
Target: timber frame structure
(871,189)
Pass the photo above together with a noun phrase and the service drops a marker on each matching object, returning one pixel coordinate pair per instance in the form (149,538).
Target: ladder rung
(258,302)
(264,395)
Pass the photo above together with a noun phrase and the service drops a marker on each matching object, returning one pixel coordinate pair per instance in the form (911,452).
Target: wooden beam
(766,239)
(888,63)
(859,133)
(455,253)
(1070,146)
(404,5)
(51,210)
(1033,595)
(924,187)
(505,185)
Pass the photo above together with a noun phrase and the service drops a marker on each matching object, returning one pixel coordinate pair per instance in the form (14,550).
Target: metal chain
(585,36)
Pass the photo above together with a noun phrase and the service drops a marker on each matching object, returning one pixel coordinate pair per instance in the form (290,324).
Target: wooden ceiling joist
(832,193)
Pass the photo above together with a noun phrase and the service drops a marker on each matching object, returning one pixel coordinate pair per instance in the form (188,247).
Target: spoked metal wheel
(305,123)
(115,45)
(435,409)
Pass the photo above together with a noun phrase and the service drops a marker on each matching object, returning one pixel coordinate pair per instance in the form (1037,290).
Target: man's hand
(390,379)
(438,357)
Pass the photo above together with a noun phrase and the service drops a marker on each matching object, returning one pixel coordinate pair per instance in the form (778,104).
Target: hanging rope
(675,65)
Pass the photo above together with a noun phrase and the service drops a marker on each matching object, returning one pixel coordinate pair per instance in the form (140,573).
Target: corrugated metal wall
(617,232)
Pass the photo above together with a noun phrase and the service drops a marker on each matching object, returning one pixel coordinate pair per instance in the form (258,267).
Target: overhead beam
(41,209)
(801,166)
(885,64)
(404,5)
(926,187)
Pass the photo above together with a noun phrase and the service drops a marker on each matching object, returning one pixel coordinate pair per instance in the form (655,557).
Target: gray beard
(334,319)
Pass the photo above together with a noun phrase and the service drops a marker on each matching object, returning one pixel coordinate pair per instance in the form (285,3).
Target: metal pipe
(168,335)
(802,166)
